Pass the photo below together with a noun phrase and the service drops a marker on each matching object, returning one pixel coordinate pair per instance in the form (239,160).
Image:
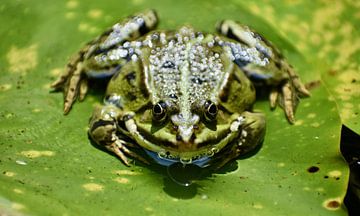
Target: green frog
(181,96)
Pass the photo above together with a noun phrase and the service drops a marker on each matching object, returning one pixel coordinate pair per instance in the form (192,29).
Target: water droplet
(183,175)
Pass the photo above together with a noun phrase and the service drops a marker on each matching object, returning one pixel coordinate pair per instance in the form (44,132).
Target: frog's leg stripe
(224,28)
(103,74)
(100,123)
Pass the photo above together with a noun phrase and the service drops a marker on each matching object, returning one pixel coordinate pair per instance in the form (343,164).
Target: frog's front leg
(103,129)
(102,56)
(264,64)
(250,128)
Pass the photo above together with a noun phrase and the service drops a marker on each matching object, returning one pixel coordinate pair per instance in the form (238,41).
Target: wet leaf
(48,165)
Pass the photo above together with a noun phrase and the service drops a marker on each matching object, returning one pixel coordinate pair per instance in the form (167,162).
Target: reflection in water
(181,181)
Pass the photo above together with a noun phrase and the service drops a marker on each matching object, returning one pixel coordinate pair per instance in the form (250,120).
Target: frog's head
(169,133)
(194,98)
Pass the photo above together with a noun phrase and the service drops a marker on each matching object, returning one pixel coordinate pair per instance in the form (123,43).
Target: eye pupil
(210,110)
(157,109)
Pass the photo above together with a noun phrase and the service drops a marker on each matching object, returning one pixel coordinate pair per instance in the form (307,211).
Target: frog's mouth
(166,153)
(167,161)
(163,153)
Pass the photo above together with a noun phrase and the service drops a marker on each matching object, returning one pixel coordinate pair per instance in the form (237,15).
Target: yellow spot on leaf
(315,124)
(126,172)
(349,105)
(93,187)
(332,204)
(349,75)
(258,206)
(306,188)
(36,110)
(17,206)
(56,71)
(85,27)
(334,174)
(281,164)
(307,104)
(22,60)
(346,49)
(9,174)
(320,189)
(95,13)
(18,191)
(122,180)
(299,122)
(72,4)
(137,2)
(36,154)
(5,87)
(311,115)
(149,209)
(326,15)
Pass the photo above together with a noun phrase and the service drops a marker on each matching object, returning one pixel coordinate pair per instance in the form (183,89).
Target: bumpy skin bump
(181,96)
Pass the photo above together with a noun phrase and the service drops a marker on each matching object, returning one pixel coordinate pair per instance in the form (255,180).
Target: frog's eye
(159,111)
(210,111)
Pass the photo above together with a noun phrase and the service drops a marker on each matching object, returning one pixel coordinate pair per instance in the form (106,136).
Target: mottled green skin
(232,100)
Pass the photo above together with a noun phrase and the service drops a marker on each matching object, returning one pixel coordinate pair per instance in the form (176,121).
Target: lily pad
(48,165)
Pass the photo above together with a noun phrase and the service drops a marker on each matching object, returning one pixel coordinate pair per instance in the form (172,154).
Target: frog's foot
(73,82)
(287,96)
(103,130)
(104,134)
(118,147)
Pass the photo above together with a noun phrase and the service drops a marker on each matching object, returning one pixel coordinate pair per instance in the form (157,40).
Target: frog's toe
(83,89)
(120,149)
(273,97)
(73,88)
(118,152)
(289,102)
(298,85)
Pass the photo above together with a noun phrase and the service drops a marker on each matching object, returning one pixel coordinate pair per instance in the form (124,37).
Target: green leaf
(49,167)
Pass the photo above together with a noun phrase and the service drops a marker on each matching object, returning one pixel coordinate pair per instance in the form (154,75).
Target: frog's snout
(185,127)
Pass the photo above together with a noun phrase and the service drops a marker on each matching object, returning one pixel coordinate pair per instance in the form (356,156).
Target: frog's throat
(187,157)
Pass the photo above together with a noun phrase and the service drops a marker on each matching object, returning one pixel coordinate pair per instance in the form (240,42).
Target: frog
(180,96)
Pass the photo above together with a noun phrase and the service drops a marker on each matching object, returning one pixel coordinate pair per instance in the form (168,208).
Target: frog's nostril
(178,137)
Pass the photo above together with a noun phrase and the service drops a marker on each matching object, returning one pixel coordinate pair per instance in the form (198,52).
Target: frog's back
(184,67)
(183,64)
